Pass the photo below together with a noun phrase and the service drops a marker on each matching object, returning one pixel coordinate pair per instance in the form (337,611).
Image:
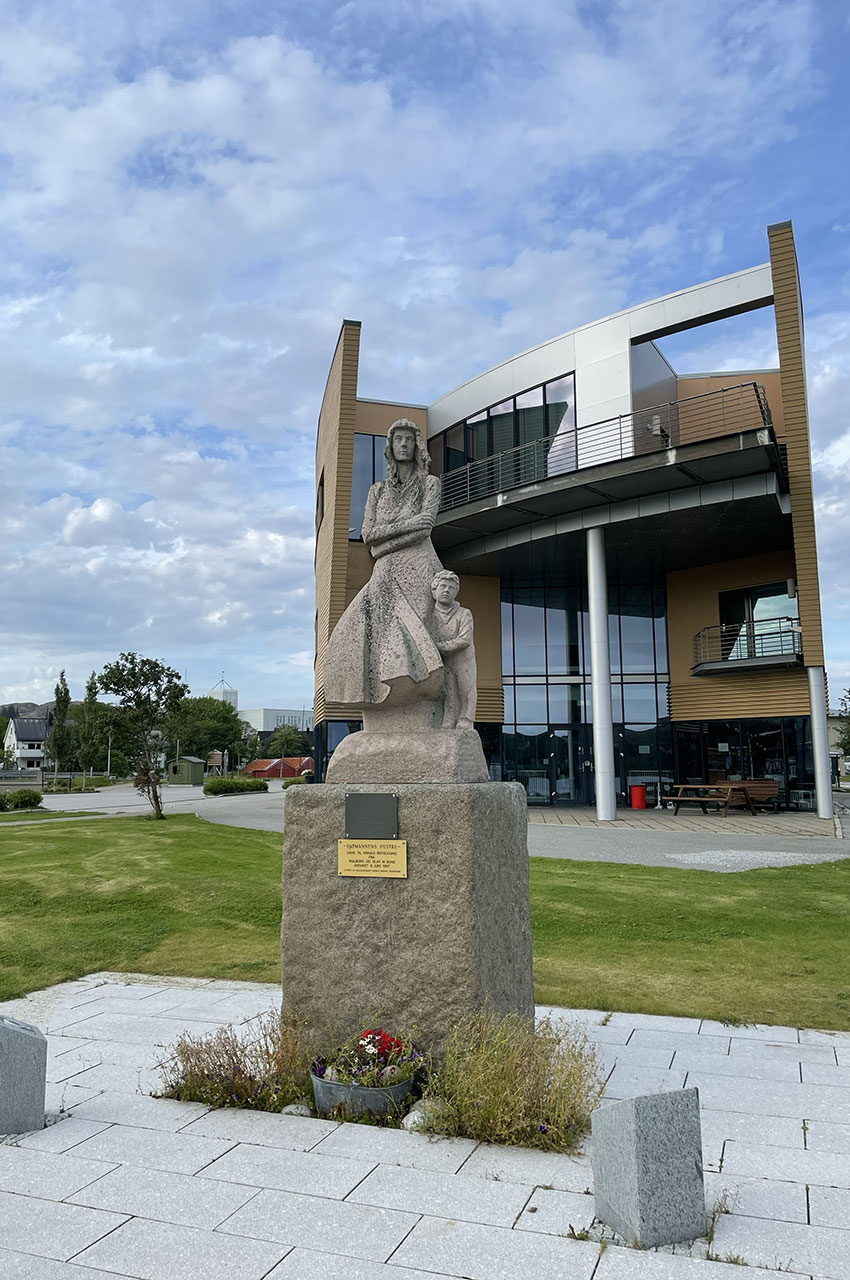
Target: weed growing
(503,1080)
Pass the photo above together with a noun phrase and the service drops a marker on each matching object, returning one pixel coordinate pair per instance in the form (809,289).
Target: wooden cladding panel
(758,693)
(789,336)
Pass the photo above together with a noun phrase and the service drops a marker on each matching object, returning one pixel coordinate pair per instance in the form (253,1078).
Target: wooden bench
(763,792)
(711,793)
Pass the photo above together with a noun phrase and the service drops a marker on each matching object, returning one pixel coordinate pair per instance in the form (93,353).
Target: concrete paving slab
(308,1173)
(829,1207)
(691,1042)
(820,1168)
(164,1197)
(63,1136)
(750,1031)
(529,1167)
(160,1251)
(626,1081)
(626,1264)
(51,1230)
(152,1149)
(741,1050)
(755,1066)
(306,1264)
(130,1029)
(46,1174)
(771,1098)
(334,1226)
(294,1133)
(655,1022)
(832,1039)
(141,1112)
(824,1136)
(756,1197)
(493,1253)
(442,1195)
(555,1213)
(823,1073)
(24,1266)
(59,1098)
(720,1126)
(785,1246)
(610,1055)
(114,1077)
(395,1147)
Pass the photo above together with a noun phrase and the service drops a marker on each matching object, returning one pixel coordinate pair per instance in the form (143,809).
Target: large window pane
(639,703)
(531,703)
(564,703)
(616,703)
(476,437)
(455,448)
(529,632)
(379,444)
(435,448)
(561,423)
(636,627)
(531,424)
(361,482)
(502,425)
(510,706)
(507,639)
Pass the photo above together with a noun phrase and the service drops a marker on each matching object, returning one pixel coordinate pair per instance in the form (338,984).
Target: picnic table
(720,793)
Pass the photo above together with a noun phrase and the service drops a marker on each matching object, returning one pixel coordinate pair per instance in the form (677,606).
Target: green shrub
(233,786)
(265,1073)
(504,1080)
(25,798)
(293,782)
(4,801)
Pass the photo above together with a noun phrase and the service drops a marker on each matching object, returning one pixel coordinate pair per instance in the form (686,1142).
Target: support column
(600,676)
(820,741)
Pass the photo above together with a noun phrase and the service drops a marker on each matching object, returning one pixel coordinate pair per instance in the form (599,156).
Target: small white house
(25,739)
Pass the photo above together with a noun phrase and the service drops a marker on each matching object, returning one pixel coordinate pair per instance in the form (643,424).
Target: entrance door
(570,775)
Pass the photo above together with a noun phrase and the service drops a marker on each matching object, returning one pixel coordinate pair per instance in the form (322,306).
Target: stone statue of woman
(382,652)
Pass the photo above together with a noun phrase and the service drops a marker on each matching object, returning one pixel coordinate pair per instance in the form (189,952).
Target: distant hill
(29,709)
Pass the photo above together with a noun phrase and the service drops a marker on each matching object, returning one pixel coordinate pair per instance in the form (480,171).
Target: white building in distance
(267,719)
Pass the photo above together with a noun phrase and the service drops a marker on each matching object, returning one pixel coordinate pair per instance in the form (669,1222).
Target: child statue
(453,636)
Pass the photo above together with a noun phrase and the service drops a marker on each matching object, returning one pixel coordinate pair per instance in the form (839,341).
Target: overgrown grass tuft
(504,1080)
(265,1070)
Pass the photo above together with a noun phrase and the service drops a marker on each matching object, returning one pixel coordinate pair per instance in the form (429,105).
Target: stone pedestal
(23,1071)
(417,954)
(434,755)
(647,1168)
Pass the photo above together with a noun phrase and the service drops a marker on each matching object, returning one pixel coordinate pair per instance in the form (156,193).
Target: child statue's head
(445,586)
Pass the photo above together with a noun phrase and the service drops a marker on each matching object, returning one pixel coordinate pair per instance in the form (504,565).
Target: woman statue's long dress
(381,652)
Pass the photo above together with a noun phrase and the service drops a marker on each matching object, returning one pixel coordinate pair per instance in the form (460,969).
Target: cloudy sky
(194,195)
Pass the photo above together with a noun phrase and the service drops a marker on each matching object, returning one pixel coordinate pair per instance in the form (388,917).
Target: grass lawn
(30,815)
(187,897)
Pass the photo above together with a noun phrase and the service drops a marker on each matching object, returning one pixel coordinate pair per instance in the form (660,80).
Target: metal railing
(716,413)
(732,642)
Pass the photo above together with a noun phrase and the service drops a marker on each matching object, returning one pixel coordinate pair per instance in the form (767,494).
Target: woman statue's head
(405,444)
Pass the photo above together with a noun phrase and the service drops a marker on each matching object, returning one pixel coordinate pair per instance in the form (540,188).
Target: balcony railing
(771,642)
(717,413)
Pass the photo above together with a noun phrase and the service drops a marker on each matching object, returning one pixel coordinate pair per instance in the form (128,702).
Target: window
(320,501)
(751,619)
(369,467)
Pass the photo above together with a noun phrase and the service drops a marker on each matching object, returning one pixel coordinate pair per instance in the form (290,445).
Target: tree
(90,726)
(202,725)
(287,741)
(250,747)
(842,739)
(59,742)
(148,693)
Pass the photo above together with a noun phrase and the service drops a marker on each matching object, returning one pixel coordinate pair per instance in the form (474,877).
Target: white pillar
(820,741)
(600,676)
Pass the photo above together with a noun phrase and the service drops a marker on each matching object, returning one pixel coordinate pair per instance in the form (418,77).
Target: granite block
(23,1076)
(49,1229)
(425,950)
(442,1195)
(492,1253)
(161,1251)
(647,1168)
(165,1197)
(331,1225)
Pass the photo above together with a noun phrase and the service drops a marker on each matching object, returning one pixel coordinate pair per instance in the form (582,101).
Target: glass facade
(769,747)
(370,466)
(546,410)
(547,735)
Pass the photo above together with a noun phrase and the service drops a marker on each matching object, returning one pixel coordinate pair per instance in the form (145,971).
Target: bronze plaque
(383,858)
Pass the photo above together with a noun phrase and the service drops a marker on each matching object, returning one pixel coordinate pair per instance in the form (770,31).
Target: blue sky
(194,195)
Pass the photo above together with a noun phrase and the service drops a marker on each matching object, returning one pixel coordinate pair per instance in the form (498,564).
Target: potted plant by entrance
(370,1075)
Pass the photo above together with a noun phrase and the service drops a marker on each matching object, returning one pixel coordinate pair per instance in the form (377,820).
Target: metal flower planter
(358,1099)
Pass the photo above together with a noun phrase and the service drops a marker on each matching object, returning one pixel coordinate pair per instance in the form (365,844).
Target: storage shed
(185,771)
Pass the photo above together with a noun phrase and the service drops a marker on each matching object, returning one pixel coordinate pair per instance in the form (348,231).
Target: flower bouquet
(370,1075)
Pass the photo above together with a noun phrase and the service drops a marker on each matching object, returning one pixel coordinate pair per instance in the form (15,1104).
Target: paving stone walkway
(127,1185)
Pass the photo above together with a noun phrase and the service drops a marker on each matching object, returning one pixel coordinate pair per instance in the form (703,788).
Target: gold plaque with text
(386,858)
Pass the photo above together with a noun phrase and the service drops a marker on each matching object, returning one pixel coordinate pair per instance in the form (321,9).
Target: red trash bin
(638,797)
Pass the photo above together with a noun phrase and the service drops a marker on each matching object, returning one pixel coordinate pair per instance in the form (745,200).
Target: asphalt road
(705,851)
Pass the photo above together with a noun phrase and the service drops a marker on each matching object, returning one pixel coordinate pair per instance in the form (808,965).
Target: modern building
(267,719)
(637,547)
(225,693)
